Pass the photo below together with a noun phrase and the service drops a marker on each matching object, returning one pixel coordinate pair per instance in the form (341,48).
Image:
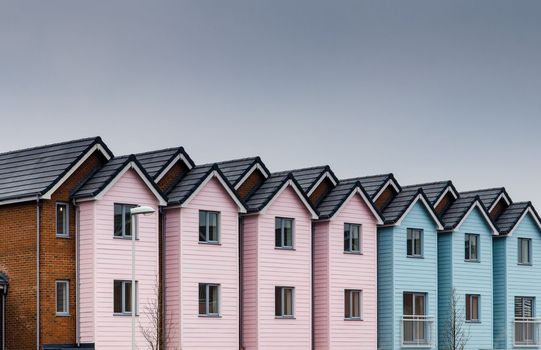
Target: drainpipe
(77,274)
(162,282)
(241,282)
(312,283)
(37,271)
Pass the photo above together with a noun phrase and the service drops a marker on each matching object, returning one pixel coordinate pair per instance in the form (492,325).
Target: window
(415,242)
(526,329)
(123,220)
(209,226)
(524,251)
(352,238)
(283,297)
(471,245)
(415,329)
(472,307)
(62,298)
(283,233)
(123,298)
(62,227)
(352,304)
(209,299)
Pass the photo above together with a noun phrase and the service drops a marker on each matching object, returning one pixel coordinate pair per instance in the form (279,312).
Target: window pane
(408,304)
(278,301)
(468,308)
(117,290)
(202,299)
(356,238)
(356,304)
(202,226)
(417,241)
(475,307)
(347,304)
(474,242)
(278,232)
(213,299)
(61,295)
(127,220)
(288,302)
(347,232)
(213,227)
(127,296)
(118,220)
(288,233)
(410,242)
(419,304)
(467,247)
(61,219)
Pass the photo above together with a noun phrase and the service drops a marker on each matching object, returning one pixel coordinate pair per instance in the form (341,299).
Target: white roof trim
(320,180)
(255,167)
(488,220)
(97,147)
(223,182)
(18,200)
(500,197)
(130,165)
(447,190)
(299,194)
(366,201)
(529,210)
(171,164)
(389,182)
(421,198)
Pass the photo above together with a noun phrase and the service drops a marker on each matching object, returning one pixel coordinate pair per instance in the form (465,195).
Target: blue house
(465,267)
(517,270)
(407,265)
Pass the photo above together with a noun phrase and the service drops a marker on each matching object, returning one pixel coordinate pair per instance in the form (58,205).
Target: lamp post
(133,213)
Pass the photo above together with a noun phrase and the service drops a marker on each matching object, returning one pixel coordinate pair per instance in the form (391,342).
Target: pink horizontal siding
(208,263)
(321,283)
(249,274)
(350,271)
(172,277)
(86,276)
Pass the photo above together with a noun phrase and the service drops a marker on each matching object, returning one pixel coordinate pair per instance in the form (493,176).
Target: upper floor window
(209,222)
(123,297)
(352,304)
(525,251)
(283,233)
(415,242)
(209,299)
(471,246)
(62,298)
(62,218)
(352,238)
(123,220)
(473,307)
(283,302)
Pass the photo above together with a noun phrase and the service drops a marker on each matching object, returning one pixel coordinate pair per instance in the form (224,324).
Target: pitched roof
(100,179)
(399,205)
(487,196)
(434,190)
(270,187)
(236,169)
(155,162)
(373,184)
(511,216)
(308,178)
(457,211)
(192,181)
(35,171)
(334,200)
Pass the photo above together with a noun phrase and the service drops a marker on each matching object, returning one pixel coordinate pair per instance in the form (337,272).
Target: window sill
(124,238)
(210,243)
(62,315)
(124,314)
(474,322)
(285,317)
(524,264)
(415,256)
(285,248)
(63,236)
(472,261)
(353,319)
(352,253)
(210,316)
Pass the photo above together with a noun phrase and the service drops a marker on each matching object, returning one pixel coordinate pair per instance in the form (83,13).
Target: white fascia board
(299,193)
(449,189)
(326,175)
(421,198)
(389,182)
(366,201)
(478,204)
(171,164)
(500,197)
(527,211)
(255,167)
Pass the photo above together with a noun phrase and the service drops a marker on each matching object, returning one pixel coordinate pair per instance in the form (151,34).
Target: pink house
(277,266)
(104,254)
(202,262)
(345,269)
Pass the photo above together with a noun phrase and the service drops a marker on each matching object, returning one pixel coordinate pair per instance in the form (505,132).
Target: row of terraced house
(235,256)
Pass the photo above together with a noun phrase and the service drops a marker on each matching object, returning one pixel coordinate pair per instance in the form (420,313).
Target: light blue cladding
(398,273)
(467,277)
(517,280)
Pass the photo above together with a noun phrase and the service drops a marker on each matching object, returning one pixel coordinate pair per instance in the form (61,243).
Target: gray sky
(429,90)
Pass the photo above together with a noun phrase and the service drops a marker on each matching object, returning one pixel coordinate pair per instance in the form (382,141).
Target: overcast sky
(429,90)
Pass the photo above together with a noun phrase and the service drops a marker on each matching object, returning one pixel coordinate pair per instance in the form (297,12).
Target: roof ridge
(428,183)
(326,166)
(234,160)
(484,189)
(178,148)
(95,138)
(367,176)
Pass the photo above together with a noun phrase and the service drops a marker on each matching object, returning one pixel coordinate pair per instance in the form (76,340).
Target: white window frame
(350,250)
(66,296)
(469,312)
(207,300)
(282,303)
(351,292)
(421,238)
(207,226)
(520,253)
(468,236)
(66,220)
(123,297)
(125,207)
(282,233)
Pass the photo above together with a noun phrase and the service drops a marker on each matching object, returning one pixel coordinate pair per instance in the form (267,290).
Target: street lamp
(133,213)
